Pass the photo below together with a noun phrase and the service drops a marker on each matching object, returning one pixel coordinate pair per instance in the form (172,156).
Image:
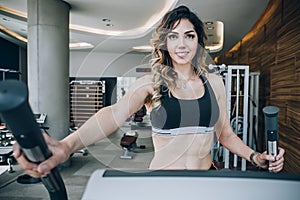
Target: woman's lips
(182,53)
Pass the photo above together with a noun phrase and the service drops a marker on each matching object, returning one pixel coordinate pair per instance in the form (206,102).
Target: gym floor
(102,155)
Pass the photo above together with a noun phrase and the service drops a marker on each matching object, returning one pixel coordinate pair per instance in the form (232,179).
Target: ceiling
(117,26)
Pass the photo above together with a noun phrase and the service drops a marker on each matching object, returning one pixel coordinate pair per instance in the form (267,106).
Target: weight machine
(242,106)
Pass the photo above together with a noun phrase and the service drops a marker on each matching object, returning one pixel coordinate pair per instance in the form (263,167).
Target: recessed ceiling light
(5,19)
(80,45)
(143,48)
(106,20)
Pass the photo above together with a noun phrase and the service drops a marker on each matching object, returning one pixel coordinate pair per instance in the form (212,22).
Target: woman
(187,107)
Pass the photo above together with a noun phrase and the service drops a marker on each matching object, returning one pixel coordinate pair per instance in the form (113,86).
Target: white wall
(97,64)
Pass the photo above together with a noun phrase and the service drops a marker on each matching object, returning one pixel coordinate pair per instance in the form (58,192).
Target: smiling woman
(186,103)
(184,119)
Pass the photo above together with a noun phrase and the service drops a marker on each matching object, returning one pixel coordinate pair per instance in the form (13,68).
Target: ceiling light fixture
(14,12)
(12,34)
(80,45)
(5,19)
(143,48)
(215,36)
(106,20)
(135,32)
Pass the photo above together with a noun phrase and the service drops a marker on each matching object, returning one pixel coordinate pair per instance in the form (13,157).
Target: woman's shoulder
(216,83)
(214,78)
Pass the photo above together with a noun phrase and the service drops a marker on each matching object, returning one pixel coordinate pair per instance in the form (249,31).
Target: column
(48,63)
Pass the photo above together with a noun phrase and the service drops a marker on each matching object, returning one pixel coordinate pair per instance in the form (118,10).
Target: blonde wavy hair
(161,62)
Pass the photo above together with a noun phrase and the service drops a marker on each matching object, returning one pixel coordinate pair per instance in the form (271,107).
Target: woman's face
(182,43)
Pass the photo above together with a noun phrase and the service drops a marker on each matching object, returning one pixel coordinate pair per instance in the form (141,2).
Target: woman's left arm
(232,142)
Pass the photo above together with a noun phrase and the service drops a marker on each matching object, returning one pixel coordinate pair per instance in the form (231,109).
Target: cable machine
(242,106)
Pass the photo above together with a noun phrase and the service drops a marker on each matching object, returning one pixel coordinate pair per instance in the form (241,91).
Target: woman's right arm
(100,125)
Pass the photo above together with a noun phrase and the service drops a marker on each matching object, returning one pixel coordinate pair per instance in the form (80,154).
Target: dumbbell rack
(6,142)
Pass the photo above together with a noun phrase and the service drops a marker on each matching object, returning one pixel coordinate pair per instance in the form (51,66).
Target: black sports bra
(177,116)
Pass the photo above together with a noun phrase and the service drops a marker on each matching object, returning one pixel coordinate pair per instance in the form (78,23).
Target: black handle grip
(271,129)
(17,114)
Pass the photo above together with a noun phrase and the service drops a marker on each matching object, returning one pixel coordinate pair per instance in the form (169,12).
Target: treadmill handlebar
(16,112)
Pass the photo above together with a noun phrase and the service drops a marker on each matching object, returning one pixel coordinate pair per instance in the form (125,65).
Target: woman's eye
(172,37)
(190,36)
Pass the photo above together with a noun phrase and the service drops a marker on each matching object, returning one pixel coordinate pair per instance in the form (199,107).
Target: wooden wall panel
(290,9)
(288,40)
(293,115)
(269,50)
(292,154)
(282,79)
(272,23)
(272,47)
(243,55)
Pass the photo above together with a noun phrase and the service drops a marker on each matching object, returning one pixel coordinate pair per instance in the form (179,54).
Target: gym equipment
(6,147)
(138,116)
(271,129)
(40,118)
(19,118)
(128,143)
(253,109)
(7,140)
(239,76)
(5,154)
(5,71)
(237,124)
(242,98)
(192,185)
(86,98)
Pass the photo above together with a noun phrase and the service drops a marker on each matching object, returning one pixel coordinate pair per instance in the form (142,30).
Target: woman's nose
(181,42)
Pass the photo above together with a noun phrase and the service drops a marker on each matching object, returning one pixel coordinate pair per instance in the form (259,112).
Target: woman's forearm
(235,145)
(72,143)
(99,126)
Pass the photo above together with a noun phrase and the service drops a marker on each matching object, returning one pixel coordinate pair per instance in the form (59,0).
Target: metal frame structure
(234,71)
(253,109)
(244,87)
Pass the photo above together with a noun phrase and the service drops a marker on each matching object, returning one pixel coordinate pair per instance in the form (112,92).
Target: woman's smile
(182,54)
